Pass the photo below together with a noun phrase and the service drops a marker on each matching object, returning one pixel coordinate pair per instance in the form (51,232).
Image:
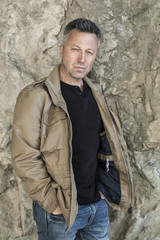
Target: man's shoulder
(41,87)
(35,86)
(36,89)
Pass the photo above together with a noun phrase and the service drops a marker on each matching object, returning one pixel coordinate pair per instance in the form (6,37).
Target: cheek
(91,62)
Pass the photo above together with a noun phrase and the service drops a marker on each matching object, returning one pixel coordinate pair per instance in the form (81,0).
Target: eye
(75,49)
(89,52)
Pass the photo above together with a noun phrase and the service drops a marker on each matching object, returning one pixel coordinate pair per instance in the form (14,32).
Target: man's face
(78,54)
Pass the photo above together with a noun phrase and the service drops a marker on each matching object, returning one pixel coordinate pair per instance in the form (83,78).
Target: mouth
(80,68)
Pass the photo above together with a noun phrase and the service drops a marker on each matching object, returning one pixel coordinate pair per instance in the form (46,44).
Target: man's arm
(27,160)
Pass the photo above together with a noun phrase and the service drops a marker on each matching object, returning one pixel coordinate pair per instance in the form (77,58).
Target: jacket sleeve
(27,160)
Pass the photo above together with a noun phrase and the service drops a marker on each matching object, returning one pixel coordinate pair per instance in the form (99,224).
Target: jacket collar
(53,80)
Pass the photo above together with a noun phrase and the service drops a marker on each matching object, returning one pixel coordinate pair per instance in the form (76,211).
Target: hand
(57,211)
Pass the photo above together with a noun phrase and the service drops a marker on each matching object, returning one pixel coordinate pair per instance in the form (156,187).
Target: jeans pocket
(40,217)
(35,210)
(59,218)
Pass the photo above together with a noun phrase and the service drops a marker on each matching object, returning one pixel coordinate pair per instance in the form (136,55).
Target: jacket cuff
(51,201)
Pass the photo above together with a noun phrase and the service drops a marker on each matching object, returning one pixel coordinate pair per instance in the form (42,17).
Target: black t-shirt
(86,124)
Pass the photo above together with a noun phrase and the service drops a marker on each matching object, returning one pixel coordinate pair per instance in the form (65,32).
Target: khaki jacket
(42,147)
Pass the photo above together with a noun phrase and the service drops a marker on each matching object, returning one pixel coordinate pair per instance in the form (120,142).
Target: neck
(67,78)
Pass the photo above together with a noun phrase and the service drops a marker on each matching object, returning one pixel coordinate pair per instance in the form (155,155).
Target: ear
(61,51)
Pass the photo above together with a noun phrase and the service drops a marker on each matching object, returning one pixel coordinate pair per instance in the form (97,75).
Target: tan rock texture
(127,67)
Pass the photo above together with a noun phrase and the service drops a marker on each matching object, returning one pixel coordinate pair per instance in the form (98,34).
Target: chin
(78,76)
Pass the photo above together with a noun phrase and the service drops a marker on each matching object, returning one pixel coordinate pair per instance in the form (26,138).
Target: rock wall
(128,68)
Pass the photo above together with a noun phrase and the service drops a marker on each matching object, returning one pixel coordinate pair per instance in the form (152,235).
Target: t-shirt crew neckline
(74,86)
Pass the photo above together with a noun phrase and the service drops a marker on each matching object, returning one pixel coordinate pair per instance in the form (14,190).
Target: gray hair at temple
(82,25)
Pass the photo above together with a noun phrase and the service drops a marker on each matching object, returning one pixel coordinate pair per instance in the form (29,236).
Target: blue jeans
(91,223)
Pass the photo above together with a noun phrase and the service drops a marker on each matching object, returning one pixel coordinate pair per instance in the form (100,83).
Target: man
(68,149)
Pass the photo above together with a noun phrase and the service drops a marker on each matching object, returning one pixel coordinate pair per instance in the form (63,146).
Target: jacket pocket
(109,181)
(52,117)
(108,175)
(55,131)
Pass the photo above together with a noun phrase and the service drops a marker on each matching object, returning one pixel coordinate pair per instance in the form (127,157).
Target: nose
(82,57)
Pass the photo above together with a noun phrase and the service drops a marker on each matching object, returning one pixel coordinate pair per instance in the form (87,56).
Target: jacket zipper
(69,137)
(130,182)
(129,178)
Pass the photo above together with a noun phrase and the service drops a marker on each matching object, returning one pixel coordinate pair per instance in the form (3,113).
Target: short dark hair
(82,25)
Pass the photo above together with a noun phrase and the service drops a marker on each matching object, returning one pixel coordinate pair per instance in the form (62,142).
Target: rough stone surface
(128,68)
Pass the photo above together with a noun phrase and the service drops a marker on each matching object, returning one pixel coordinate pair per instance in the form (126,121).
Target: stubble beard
(70,73)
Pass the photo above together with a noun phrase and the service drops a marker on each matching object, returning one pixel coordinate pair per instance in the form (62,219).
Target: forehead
(78,38)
